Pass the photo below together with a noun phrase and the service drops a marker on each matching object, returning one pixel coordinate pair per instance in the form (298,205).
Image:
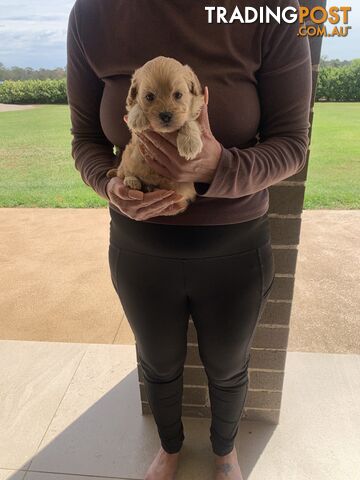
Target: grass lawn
(36,163)
(38,170)
(333,178)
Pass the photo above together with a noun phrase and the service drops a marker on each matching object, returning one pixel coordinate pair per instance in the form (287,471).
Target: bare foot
(163,467)
(227,467)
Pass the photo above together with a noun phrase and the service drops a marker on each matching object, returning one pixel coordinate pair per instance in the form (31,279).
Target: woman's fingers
(156,160)
(140,211)
(152,198)
(155,143)
(124,193)
(157,203)
(139,197)
(206,95)
(149,204)
(172,209)
(161,208)
(170,137)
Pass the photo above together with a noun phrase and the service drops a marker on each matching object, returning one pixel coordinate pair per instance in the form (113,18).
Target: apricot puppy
(165,96)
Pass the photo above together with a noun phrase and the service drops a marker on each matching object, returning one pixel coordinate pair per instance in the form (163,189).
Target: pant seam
(187,258)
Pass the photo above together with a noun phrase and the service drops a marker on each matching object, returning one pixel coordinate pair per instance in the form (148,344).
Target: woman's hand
(141,206)
(160,152)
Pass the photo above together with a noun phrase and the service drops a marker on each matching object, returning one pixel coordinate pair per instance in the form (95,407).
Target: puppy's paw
(149,188)
(189,146)
(184,204)
(112,173)
(132,182)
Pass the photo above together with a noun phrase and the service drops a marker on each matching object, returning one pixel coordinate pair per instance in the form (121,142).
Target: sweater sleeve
(91,150)
(284,85)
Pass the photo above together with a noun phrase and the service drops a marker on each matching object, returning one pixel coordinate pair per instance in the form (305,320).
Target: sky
(33,33)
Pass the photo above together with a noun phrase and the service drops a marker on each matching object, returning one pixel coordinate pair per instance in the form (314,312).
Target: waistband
(187,241)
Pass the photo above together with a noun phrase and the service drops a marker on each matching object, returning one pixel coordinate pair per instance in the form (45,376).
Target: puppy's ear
(132,93)
(136,120)
(192,81)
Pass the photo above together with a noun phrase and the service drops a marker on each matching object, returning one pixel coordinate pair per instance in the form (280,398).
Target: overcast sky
(33,33)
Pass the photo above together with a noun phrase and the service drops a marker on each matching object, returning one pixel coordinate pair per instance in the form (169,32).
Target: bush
(339,84)
(33,91)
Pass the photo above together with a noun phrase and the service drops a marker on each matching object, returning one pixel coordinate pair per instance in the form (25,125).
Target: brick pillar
(268,352)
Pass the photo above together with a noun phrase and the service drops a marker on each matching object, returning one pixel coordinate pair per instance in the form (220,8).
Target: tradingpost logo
(311,20)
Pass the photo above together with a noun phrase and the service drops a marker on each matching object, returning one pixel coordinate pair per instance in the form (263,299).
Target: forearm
(93,160)
(284,85)
(91,150)
(243,172)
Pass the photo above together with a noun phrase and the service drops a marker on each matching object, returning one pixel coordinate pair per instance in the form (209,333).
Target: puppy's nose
(165,116)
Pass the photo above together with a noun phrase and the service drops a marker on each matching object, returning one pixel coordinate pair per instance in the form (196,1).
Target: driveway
(55,282)
(4,107)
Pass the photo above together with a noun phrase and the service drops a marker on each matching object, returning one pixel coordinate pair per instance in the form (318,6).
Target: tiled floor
(72,412)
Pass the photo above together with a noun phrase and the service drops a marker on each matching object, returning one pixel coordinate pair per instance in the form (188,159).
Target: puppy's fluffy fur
(165,96)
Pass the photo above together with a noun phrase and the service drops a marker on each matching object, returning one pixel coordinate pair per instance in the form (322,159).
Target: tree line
(28,73)
(338,81)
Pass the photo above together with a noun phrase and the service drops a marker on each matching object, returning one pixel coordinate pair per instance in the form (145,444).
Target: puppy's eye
(178,95)
(150,97)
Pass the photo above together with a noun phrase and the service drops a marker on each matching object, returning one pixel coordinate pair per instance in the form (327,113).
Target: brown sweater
(259,80)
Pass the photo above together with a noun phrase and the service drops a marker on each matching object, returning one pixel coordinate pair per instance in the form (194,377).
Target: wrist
(210,173)
(214,176)
(207,176)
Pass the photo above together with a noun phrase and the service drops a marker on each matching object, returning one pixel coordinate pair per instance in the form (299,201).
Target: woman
(214,261)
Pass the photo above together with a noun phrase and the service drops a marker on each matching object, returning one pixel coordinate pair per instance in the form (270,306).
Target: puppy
(165,96)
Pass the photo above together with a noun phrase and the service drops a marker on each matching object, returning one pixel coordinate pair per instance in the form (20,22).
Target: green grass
(36,163)
(37,169)
(333,178)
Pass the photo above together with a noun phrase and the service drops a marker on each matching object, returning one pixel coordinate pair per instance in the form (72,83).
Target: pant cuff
(173,446)
(222,451)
